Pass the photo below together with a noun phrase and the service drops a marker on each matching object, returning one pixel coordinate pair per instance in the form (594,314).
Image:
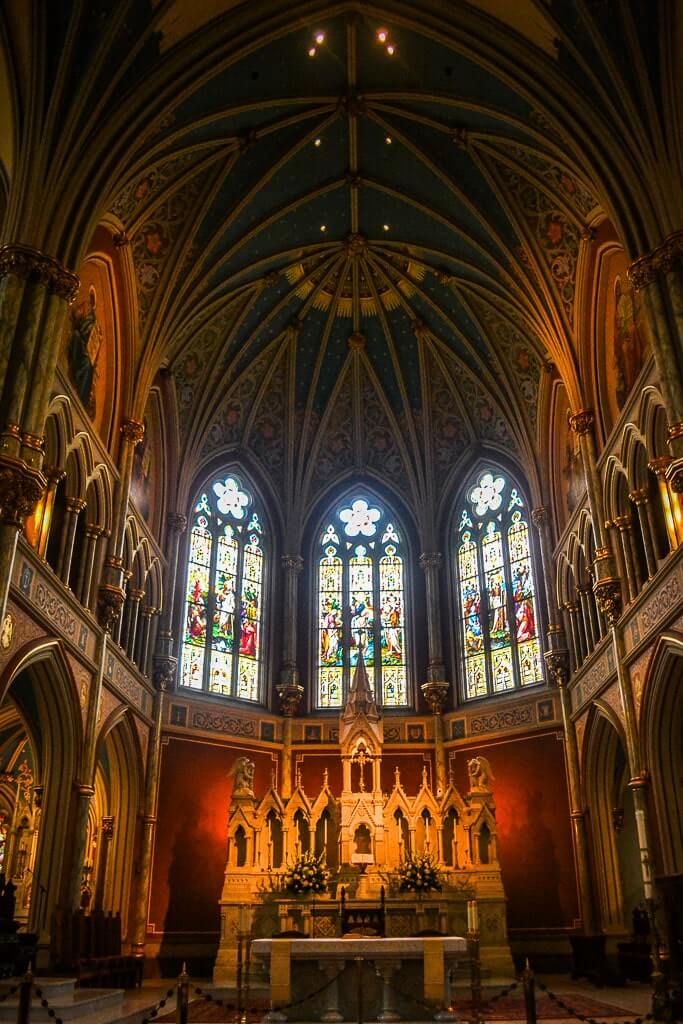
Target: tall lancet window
(361,598)
(222,640)
(497,602)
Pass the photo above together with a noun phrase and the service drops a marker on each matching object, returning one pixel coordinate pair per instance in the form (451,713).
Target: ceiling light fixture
(323,227)
(388,139)
(320,38)
(312,52)
(391,49)
(385,226)
(382,35)
(317,142)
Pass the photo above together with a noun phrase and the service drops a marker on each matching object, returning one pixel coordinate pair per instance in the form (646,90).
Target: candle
(325,833)
(475,916)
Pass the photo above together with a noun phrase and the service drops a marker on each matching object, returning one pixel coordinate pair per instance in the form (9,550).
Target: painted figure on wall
(142,465)
(84,346)
(572,471)
(628,344)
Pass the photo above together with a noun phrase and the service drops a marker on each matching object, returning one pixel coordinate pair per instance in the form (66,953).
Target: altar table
(439,954)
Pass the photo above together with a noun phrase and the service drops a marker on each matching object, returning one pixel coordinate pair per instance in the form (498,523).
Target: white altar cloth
(372,947)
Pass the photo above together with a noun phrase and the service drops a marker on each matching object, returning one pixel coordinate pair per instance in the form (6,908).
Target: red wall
(191,836)
(535,843)
(534,830)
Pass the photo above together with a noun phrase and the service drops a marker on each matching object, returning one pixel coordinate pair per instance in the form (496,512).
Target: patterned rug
(510,1008)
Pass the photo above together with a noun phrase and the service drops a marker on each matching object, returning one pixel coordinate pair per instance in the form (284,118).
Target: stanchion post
(240,971)
(247,968)
(24,1005)
(182,997)
(529,983)
(359,986)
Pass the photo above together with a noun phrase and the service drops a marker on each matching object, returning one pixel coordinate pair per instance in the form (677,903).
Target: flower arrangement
(307,875)
(419,874)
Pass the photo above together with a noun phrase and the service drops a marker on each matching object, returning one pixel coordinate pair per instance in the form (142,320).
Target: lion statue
(480,774)
(242,772)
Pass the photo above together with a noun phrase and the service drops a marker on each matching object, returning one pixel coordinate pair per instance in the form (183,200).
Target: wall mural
(619,333)
(145,483)
(90,347)
(566,455)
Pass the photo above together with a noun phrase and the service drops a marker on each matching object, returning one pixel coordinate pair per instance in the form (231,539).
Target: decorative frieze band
(32,265)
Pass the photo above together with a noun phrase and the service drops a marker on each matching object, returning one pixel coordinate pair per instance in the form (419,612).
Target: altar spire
(361,699)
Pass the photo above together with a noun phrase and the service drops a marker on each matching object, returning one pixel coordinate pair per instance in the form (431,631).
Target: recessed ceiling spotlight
(318,142)
(323,228)
(391,49)
(320,38)
(385,226)
(388,139)
(382,35)
(312,52)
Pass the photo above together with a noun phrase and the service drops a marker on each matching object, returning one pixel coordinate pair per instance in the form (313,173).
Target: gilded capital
(676,479)
(435,693)
(662,260)
(32,265)
(675,431)
(557,664)
(640,496)
(176,522)
(21,488)
(109,603)
(623,522)
(133,431)
(108,827)
(582,421)
(659,465)
(608,595)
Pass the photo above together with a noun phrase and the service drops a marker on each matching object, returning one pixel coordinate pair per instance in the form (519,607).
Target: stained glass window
(498,619)
(361,604)
(222,644)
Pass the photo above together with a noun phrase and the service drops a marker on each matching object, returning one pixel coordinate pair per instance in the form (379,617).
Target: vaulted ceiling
(359,224)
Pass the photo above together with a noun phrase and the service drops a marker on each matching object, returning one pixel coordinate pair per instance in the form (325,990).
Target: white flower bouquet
(419,874)
(307,876)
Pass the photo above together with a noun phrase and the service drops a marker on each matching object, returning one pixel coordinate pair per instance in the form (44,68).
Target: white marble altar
(439,956)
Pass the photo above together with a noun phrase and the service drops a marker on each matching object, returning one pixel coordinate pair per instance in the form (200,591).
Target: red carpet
(510,1008)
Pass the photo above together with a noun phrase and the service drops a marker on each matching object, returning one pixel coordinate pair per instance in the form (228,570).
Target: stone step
(80,1005)
(53,988)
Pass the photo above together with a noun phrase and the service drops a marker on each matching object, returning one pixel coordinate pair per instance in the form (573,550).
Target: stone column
(35,292)
(641,499)
(163,650)
(577,635)
(606,578)
(84,794)
(164,679)
(142,653)
(435,694)
(135,597)
(74,507)
(42,514)
(430,563)
(106,836)
(660,467)
(92,536)
(290,695)
(557,662)
(292,566)
(584,593)
(111,594)
(623,525)
(657,275)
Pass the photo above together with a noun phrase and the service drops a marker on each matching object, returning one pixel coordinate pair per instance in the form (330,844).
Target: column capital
(639,496)
(623,522)
(164,670)
(582,421)
(557,664)
(108,827)
(661,260)
(135,594)
(133,431)
(430,560)
(177,522)
(292,563)
(660,465)
(290,695)
(21,488)
(94,532)
(33,265)
(608,595)
(539,516)
(75,504)
(109,602)
(435,693)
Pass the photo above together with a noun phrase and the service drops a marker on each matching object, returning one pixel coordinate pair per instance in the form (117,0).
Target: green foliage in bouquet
(307,876)
(419,874)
